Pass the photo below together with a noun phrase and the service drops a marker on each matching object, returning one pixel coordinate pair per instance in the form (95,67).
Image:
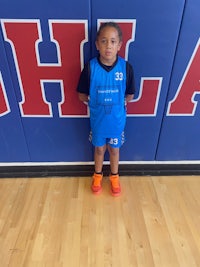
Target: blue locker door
(180,133)
(46,44)
(13,145)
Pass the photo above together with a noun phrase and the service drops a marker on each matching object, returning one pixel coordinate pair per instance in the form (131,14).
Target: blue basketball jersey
(107,98)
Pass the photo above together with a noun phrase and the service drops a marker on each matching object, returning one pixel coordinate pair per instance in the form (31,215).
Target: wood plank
(58,222)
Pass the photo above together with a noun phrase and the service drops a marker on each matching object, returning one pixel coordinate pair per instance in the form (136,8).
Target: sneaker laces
(97,180)
(115,181)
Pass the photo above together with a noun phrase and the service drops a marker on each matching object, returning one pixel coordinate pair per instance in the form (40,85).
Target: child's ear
(97,46)
(119,45)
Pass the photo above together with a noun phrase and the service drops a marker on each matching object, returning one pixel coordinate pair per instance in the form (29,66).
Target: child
(107,84)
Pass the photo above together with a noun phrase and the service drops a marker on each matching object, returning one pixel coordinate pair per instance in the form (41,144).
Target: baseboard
(87,170)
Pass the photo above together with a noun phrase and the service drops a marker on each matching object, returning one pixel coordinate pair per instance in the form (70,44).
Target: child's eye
(113,42)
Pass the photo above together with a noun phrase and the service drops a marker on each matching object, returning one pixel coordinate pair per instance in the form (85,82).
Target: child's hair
(110,24)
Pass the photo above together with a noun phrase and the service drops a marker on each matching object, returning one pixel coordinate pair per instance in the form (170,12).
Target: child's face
(108,44)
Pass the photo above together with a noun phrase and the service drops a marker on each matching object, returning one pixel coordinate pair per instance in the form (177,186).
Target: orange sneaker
(115,185)
(96,183)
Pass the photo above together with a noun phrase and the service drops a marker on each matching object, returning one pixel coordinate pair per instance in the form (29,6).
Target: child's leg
(114,176)
(99,158)
(114,159)
(98,175)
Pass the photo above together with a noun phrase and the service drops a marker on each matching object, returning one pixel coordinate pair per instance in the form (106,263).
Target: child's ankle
(99,172)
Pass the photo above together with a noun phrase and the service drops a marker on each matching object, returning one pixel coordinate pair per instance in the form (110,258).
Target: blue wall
(43,46)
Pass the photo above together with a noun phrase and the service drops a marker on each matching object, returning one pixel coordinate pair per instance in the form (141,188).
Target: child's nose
(109,44)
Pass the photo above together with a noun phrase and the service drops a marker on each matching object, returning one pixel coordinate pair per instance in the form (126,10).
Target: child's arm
(128,98)
(83,97)
(84,85)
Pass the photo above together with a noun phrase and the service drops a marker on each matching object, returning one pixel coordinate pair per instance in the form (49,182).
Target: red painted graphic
(24,37)
(183,102)
(4,105)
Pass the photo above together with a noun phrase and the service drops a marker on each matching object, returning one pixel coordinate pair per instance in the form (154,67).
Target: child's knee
(113,151)
(100,150)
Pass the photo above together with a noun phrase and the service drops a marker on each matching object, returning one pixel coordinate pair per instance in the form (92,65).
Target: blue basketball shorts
(115,142)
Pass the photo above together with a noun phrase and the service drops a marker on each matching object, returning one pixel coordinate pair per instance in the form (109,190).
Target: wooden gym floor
(58,222)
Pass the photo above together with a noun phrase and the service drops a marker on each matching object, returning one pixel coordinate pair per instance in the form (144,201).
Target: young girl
(107,84)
